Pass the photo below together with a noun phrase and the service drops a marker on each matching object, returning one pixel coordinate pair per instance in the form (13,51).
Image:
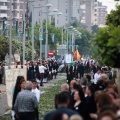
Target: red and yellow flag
(77,55)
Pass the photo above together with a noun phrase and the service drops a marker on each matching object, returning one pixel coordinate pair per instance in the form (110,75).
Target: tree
(94,29)
(107,41)
(83,42)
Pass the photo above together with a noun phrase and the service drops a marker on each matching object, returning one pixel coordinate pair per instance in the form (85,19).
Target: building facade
(102,13)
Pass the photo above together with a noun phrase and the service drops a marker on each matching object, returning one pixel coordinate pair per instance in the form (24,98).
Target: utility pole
(46,50)
(32,32)
(72,41)
(41,35)
(24,35)
(10,41)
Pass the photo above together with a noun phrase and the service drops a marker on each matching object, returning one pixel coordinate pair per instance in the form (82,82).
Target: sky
(109,3)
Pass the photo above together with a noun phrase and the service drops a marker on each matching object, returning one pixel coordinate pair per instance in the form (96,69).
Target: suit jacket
(62,109)
(81,69)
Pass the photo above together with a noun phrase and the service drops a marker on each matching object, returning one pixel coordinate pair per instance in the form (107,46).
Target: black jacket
(61,109)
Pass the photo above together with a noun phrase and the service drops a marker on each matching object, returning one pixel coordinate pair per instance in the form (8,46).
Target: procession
(59,60)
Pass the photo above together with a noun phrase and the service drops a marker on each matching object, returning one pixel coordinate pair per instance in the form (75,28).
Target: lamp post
(46,49)
(24,37)
(32,32)
(41,36)
(10,41)
(24,32)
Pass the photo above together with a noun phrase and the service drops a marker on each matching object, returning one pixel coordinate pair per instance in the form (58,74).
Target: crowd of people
(26,97)
(41,70)
(89,93)
(95,99)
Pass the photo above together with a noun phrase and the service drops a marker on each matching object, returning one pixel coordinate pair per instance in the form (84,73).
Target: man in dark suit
(81,70)
(62,101)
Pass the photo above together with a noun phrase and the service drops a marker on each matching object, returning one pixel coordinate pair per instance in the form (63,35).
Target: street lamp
(46,49)
(10,41)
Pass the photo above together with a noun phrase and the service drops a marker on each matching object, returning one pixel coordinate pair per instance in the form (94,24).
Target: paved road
(3,96)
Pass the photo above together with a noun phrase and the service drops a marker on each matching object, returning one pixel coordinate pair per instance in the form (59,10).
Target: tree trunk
(117,80)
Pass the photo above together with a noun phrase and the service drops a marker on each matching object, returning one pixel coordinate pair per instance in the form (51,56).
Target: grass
(46,100)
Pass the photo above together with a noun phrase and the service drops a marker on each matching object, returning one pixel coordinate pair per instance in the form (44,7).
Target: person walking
(42,72)
(26,103)
(36,91)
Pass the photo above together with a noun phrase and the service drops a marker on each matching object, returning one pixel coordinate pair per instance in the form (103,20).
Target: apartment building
(87,12)
(102,13)
(17,9)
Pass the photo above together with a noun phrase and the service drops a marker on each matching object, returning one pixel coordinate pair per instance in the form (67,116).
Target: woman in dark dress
(80,105)
(91,105)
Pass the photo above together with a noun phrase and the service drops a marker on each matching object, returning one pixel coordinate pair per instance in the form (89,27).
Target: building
(86,12)
(3,8)
(17,9)
(101,14)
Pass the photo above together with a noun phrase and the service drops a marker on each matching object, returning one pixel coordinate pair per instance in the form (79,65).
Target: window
(73,18)
(95,14)
(3,11)
(66,10)
(95,0)
(66,3)
(3,3)
(95,10)
(78,10)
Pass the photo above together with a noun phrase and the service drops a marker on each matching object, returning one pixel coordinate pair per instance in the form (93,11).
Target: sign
(10,79)
(51,53)
(40,34)
(68,58)
(17,57)
(53,37)
(20,26)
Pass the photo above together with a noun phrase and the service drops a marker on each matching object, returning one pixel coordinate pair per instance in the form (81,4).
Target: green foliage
(84,42)
(94,29)
(16,48)
(107,41)
(51,30)
(113,17)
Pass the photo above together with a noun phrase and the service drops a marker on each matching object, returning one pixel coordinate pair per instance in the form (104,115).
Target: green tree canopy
(107,41)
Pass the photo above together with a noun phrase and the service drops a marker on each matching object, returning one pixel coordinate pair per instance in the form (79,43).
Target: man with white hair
(26,103)
(64,87)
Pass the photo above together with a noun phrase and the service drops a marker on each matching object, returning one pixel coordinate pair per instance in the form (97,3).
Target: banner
(77,55)
(68,58)
(40,34)
(10,79)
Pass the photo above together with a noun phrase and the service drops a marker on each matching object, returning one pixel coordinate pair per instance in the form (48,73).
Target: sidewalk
(3,96)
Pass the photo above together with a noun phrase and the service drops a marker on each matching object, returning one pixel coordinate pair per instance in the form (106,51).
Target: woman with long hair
(19,86)
(80,105)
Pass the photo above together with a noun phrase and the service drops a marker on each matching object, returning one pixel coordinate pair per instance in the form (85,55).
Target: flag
(77,55)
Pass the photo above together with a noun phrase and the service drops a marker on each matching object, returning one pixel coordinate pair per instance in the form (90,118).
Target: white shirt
(96,77)
(37,94)
(42,69)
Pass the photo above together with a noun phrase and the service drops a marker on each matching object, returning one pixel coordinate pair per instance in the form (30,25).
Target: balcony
(3,7)
(3,14)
